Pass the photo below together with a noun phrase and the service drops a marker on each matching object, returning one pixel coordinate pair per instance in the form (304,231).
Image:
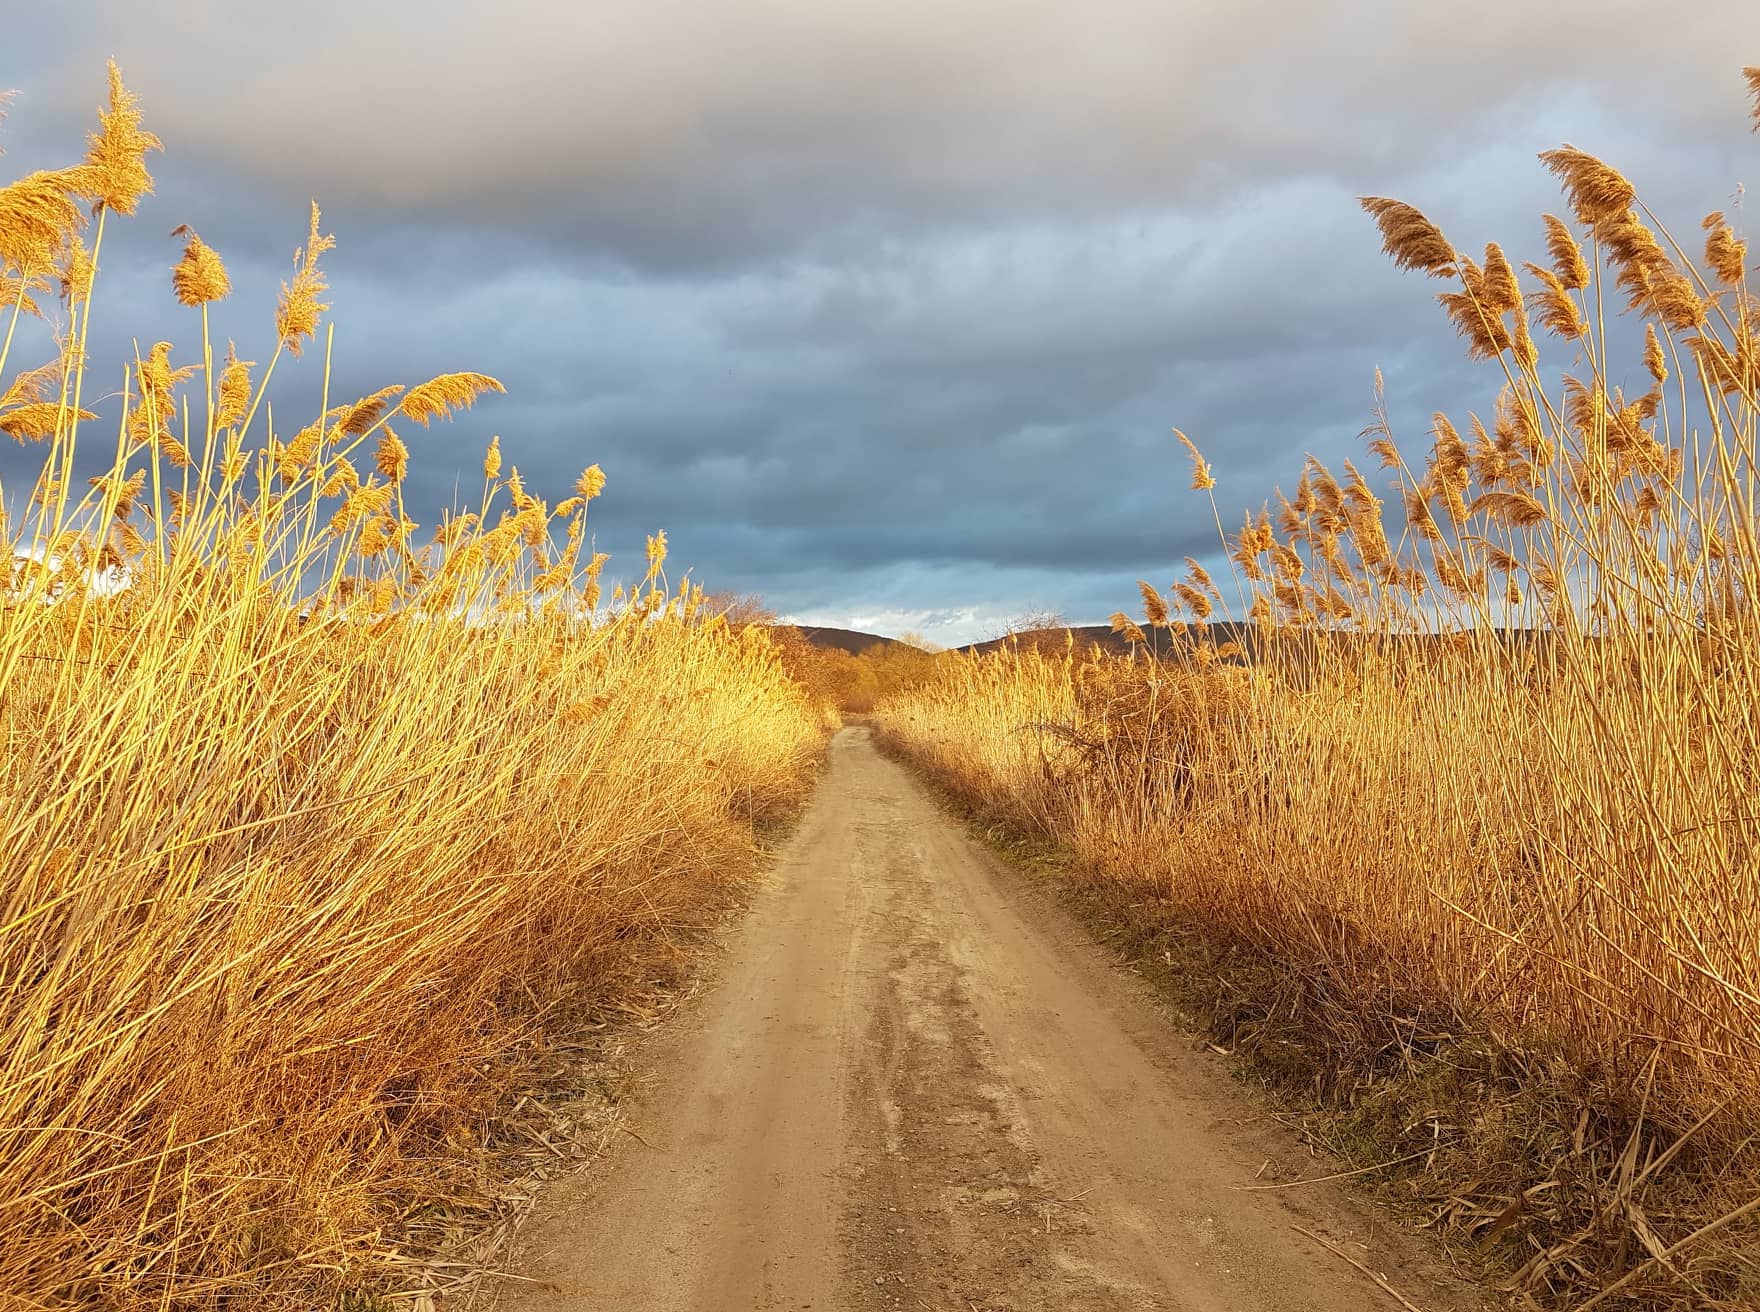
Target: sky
(885,312)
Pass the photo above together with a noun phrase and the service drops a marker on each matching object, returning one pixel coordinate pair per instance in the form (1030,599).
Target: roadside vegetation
(855,682)
(1456,832)
(323,829)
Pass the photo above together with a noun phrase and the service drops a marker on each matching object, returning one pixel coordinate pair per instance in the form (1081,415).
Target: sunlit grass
(1492,762)
(310,816)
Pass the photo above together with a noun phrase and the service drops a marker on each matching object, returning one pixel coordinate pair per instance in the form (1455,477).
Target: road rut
(919,1084)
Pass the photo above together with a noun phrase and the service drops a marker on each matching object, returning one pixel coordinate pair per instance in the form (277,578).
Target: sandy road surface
(919,1085)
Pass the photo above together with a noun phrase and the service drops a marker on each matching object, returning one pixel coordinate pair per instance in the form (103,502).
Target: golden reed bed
(319,827)
(1485,786)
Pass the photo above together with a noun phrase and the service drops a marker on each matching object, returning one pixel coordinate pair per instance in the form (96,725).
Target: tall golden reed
(1490,767)
(315,825)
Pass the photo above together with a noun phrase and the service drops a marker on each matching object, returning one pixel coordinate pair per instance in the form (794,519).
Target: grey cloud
(879,310)
(674,135)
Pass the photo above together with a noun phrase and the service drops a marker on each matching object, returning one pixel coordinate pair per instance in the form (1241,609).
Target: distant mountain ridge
(1102,636)
(854,641)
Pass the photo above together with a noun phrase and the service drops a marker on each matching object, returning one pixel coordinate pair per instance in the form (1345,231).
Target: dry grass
(1479,800)
(316,830)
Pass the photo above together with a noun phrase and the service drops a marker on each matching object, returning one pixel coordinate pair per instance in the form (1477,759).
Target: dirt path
(920,1085)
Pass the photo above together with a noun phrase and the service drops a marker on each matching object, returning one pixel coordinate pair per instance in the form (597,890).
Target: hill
(1533,642)
(1101,635)
(853,641)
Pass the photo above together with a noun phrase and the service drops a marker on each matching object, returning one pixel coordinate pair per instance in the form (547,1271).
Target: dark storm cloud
(884,311)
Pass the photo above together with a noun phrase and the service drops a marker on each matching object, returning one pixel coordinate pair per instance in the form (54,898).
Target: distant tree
(911,638)
(739,609)
(1038,619)
(1041,628)
(898,666)
(828,674)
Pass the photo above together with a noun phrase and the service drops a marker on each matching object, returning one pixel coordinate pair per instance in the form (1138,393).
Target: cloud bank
(882,311)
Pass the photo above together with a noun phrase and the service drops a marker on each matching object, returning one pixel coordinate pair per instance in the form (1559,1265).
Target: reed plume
(115,174)
(39,220)
(439,397)
(1410,239)
(200,277)
(299,309)
(1599,196)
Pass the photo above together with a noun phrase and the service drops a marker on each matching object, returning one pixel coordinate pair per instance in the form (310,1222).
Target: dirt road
(920,1085)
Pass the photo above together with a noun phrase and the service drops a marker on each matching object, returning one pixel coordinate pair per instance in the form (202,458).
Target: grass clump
(316,824)
(1462,809)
